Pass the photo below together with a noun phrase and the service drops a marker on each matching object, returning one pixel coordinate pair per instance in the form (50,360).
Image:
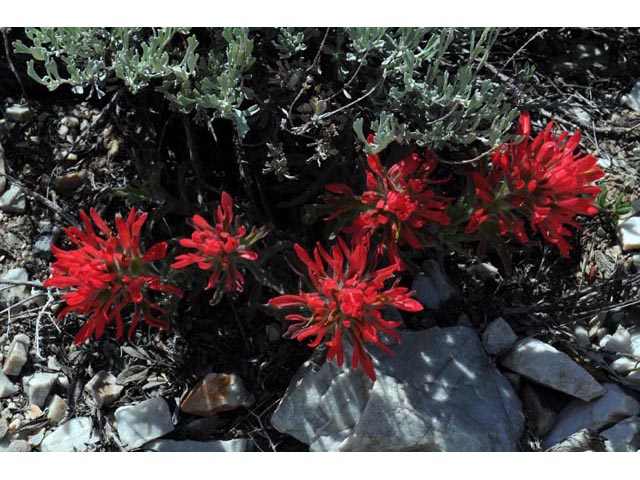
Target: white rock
(498,336)
(632,100)
(596,415)
(18,113)
(624,365)
(38,386)
(629,233)
(582,336)
(13,200)
(103,388)
(433,288)
(141,423)
(17,356)
(7,389)
(547,366)
(635,344)
(57,410)
(437,393)
(619,342)
(74,436)
(19,446)
(623,436)
(236,445)
(11,295)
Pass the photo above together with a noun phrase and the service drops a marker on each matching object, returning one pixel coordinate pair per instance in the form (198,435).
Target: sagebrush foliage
(403,84)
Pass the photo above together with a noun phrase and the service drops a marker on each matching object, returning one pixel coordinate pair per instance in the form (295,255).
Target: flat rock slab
(629,234)
(236,445)
(498,336)
(438,393)
(74,436)
(38,387)
(595,415)
(143,422)
(547,366)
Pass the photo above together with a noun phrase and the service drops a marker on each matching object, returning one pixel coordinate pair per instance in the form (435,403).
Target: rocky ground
(545,357)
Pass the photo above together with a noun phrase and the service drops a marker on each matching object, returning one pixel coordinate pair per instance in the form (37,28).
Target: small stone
(583,441)
(498,336)
(38,386)
(581,114)
(632,100)
(635,344)
(17,356)
(624,365)
(71,122)
(57,410)
(36,438)
(216,392)
(547,366)
(141,423)
(74,436)
(103,388)
(13,200)
(53,363)
(623,436)
(582,336)
(63,131)
(595,415)
(7,389)
(619,342)
(4,428)
(235,445)
(18,113)
(484,271)
(433,288)
(629,234)
(70,181)
(19,446)
(33,412)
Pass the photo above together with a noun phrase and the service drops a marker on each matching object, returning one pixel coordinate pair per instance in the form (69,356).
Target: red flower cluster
(220,249)
(107,275)
(397,201)
(544,181)
(348,301)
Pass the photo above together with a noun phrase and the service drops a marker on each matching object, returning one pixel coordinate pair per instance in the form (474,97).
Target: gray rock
(18,113)
(547,366)
(595,415)
(437,393)
(433,288)
(619,342)
(11,295)
(57,410)
(7,389)
(629,233)
(498,336)
(38,387)
(13,200)
(632,100)
(48,237)
(141,423)
(635,344)
(103,388)
(623,436)
(236,445)
(17,355)
(77,435)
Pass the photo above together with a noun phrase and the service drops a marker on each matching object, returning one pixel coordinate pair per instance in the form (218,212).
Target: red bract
(347,302)
(398,201)
(109,275)
(544,181)
(220,249)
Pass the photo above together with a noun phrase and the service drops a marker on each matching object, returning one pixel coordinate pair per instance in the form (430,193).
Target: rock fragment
(17,356)
(498,336)
(143,422)
(216,392)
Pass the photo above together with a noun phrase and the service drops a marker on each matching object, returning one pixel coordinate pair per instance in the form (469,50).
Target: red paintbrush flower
(221,249)
(545,181)
(398,202)
(347,302)
(109,275)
